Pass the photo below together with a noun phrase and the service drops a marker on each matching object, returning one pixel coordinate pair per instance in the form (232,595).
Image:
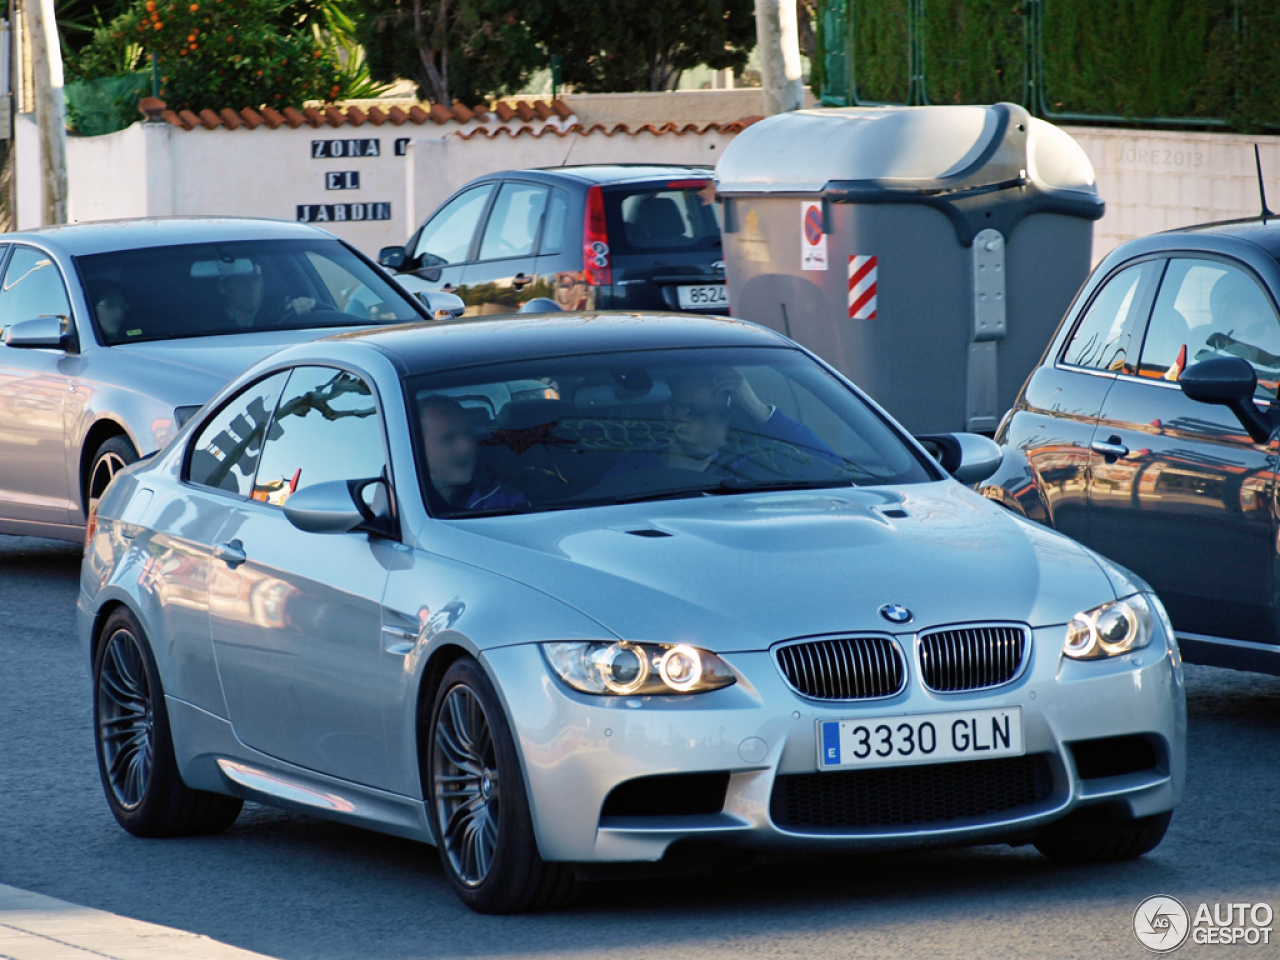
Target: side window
(514,222)
(447,236)
(326,428)
(224,453)
(32,288)
(557,220)
(1207,308)
(1102,340)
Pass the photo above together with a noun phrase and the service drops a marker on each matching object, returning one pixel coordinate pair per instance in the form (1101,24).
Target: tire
(135,748)
(114,455)
(1126,840)
(486,843)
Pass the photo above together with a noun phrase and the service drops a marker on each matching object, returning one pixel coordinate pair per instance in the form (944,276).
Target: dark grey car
(1147,431)
(607,237)
(113,334)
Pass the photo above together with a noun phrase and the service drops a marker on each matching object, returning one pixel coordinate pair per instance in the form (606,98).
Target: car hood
(218,359)
(741,572)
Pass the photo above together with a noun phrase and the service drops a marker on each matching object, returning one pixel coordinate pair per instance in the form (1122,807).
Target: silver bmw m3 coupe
(552,592)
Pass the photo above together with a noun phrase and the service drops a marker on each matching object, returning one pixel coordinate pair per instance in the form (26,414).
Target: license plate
(707,295)
(920,738)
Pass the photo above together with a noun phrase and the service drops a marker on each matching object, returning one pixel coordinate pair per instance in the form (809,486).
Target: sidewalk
(35,927)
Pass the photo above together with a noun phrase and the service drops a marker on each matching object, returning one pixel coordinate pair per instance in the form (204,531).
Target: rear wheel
(1117,841)
(478,804)
(113,456)
(135,749)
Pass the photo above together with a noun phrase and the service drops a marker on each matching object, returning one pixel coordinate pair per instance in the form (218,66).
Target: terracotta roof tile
(617,129)
(174,119)
(482,112)
(524,111)
(440,113)
(397,116)
(313,116)
(293,118)
(504,111)
(418,115)
(189,119)
(462,113)
(562,109)
(333,116)
(230,119)
(252,119)
(376,116)
(210,119)
(541,110)
(272,117)
(355,116)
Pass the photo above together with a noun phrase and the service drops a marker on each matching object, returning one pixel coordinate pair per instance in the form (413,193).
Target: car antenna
(1262,187)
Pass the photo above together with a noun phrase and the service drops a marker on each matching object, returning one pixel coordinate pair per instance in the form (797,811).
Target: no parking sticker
(813,240)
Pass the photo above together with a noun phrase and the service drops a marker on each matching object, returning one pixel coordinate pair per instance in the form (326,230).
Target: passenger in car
(702,407)
(109,306)
(449,442)
(241,292)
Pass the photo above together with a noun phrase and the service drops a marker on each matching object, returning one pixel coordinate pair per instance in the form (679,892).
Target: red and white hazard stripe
(862,288)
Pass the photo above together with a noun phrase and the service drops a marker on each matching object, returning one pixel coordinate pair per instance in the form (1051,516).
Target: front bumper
(577,748)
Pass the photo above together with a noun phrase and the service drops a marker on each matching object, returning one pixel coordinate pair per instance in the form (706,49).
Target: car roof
(80,239)
(1264,233)
(606,173)
(434,346)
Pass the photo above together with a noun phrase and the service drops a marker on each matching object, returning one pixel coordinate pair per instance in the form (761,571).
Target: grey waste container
(926,252)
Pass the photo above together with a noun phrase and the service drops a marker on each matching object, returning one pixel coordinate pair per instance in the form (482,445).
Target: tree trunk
(778,33)
(51,109)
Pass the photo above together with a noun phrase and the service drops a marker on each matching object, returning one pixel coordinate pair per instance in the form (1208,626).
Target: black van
(615,237)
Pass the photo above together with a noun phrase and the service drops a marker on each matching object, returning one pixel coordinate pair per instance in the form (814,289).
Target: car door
(440,250)
(295,616)
(1180,493)
(1053,425)
(504,274)
(34,385)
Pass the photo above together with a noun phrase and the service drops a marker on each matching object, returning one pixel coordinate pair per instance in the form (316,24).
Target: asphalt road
(298,888)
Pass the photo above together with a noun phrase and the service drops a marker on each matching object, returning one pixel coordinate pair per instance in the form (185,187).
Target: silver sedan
(112,334)
(558,592)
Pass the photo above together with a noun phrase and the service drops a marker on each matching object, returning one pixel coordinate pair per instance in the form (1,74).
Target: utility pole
(51,109)
(778,34)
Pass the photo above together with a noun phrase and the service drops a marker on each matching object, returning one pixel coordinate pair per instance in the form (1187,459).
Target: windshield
(206,290)
(570,432)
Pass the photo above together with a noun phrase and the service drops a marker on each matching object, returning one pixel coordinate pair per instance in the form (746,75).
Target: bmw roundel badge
(896,613)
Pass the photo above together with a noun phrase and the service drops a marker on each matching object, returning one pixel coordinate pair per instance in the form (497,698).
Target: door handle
(1112,449)
(231,553)
(521,280)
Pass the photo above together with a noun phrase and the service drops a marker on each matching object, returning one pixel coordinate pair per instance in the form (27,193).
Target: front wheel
(478,804)
(135,748)
(113,456)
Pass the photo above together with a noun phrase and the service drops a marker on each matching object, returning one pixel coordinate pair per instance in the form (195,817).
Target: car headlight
(624,669)
(183,414)
(1114,628)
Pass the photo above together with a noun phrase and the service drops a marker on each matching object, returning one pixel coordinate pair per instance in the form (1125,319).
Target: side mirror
(340,506)
(41,333)
(1229,382)
(393,258)
(441,305)
(969,457)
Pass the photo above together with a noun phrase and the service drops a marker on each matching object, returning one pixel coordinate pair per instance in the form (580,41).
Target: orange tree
(214,53)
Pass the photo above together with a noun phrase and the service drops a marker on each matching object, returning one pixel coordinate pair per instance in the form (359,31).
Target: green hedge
(1135,59)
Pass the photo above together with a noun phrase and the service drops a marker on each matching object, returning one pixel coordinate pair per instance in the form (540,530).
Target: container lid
(952,157)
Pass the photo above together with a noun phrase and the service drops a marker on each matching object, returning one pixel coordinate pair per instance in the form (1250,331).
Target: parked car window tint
(446,237)
(1102,339)
(219,289)
(662,219)
(1207,308)
(224,453)
(595,430)
(557,219)
(513,224)
(326,428)
(32,288)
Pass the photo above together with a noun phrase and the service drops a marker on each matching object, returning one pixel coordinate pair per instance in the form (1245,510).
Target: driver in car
(452,459)
(241,294)
(698,416)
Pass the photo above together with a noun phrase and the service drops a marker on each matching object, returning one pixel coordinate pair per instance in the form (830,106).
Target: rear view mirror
(1229,382)
(969,457)
(441,305)
(341,506)
(392,258)
(51,332)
